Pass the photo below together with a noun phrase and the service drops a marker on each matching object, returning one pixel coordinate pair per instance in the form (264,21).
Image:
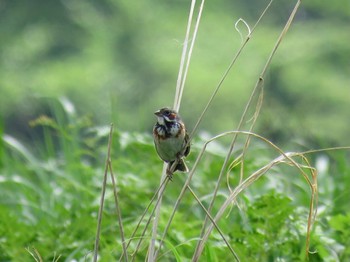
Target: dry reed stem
(213,222)
(119,215)
(178,99)
(260,172)
(183,57)
(214,94)
(152,254)
(161,187)
(257,174)
(151,249)
(245,112)
(141,218)
(256,88)
(103,191)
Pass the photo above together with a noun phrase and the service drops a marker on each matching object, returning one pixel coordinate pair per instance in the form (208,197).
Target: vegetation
(116,61)
(50,200)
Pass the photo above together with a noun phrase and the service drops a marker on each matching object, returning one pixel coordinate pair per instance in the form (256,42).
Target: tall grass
(49,205)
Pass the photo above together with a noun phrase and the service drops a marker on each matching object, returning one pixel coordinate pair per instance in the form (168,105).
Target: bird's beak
(157,113)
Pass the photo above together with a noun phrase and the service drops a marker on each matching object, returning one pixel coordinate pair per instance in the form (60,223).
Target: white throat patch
(174,130)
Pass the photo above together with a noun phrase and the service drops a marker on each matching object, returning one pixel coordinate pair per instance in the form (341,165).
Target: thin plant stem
(189,55)
(119,215)
(256,88)
(246,183)
(254,177)
(103,190)
(161,190)
(215,224)
(142,216)
(151,250)
(201,117)
(224,165)
(178,200)
(183,56)
(177,102)
(228,70)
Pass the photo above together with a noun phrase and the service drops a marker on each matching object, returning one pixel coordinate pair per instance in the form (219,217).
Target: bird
(171,139)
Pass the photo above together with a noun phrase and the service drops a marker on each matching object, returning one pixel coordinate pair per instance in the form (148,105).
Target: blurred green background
(69,68)
(117,61)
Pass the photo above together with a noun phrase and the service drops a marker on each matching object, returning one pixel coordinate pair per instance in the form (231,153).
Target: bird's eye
(167,112)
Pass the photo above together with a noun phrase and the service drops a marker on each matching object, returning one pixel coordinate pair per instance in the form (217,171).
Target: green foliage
(269,230)
(49,198)
(340,224)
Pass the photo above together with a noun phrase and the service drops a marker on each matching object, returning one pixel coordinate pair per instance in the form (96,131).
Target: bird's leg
(169,172)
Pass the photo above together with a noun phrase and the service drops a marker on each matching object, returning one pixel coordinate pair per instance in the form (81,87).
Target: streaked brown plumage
(171,138)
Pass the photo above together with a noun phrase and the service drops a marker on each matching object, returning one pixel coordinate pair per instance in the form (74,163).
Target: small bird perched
(171,139)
